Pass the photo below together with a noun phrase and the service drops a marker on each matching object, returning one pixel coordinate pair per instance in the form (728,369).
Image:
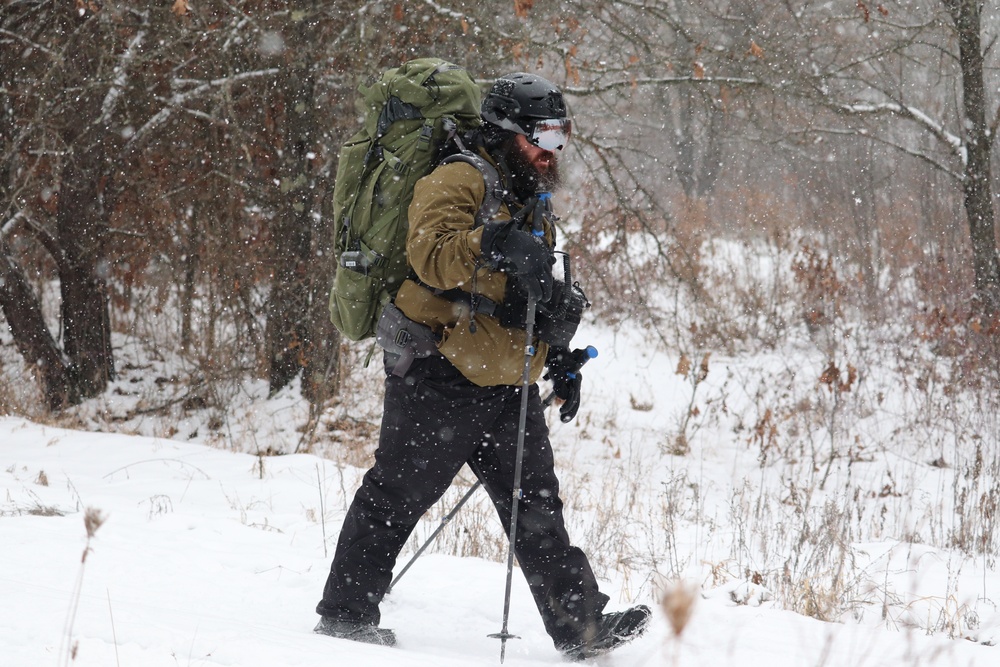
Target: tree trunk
(84,366)
(288,305)
(81,229)
(32,337)
(192,250)
(322,370)
(976,186)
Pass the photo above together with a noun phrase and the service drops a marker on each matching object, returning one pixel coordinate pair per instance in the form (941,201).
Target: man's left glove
(524,257)
(564,371)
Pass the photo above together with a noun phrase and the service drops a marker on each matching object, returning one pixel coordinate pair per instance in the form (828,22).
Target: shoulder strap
(494,188)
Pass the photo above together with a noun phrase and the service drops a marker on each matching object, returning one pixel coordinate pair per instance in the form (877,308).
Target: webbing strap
(480,305)
(418,349)
(495,192)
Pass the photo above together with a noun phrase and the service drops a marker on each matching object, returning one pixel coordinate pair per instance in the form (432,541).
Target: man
(460,403)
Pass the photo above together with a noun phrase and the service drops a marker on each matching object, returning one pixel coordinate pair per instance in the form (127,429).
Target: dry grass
(93,519)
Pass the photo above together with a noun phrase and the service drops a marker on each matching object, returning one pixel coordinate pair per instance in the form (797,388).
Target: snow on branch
(121,78)
(913,114)
(177,100)
(912,152)
(34,45)
(450,13)
(7,226)
(468,23)
(45,237)
(583,91)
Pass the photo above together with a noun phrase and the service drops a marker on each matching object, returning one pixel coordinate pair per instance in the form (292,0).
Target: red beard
(533,169)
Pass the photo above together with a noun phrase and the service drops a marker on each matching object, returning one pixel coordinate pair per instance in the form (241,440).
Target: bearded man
(459,402)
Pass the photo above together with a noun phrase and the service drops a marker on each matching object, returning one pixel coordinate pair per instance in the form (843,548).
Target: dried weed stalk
(93,519)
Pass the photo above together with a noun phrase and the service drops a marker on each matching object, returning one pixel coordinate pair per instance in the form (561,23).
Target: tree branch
(585,91)
(35,45)
(178,99)
(121,78)
(954,142)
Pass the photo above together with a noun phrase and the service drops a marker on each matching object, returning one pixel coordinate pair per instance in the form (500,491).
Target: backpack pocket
(354,302)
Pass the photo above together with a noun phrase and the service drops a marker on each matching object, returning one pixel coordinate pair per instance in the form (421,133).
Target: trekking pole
(444,522)
(529,352)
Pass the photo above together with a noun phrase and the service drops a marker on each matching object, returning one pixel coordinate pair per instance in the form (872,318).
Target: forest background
(156,153)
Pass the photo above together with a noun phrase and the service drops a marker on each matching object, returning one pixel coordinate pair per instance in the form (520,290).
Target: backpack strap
(479,305)
(494,188)
(496,194)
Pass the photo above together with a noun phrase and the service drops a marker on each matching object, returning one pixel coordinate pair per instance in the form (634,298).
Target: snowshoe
(359,632)
(610,632)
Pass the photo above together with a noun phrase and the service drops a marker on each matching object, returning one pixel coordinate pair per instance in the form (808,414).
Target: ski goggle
(551,134)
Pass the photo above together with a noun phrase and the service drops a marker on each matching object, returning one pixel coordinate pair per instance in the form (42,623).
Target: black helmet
(530,105)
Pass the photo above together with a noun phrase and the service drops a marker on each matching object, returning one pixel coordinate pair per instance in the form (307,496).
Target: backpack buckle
(403,338)
(426,134)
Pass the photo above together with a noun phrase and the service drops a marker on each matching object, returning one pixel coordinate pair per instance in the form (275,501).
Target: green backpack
(412,112)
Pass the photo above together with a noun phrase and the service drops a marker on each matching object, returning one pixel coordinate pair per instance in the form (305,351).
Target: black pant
(434,422)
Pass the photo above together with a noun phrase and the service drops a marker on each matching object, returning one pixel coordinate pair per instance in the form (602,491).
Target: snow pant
(434,422)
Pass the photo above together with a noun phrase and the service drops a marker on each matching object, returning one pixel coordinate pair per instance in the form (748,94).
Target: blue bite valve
(591,352)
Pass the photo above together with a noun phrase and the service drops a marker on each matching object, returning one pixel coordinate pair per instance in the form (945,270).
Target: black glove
(564,371)
(521,256)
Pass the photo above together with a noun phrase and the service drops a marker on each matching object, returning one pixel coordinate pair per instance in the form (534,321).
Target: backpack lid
(432,86)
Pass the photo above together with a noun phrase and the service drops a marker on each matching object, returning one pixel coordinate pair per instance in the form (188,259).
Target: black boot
(609,632)
(359,632)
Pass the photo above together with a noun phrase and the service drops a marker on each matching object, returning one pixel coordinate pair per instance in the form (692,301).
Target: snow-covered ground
(201,561)
(212,556)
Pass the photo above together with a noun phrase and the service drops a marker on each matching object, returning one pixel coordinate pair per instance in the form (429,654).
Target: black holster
(405,339)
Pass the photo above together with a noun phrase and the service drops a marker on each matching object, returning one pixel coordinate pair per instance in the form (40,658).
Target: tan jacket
(443,248)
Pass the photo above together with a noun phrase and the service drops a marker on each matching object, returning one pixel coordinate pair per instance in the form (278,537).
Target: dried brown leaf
(864,10)
(831,375)
(683,365)
(703,369)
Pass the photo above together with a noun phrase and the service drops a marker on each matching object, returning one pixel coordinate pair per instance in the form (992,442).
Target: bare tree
(288,323)
(890,74)
(978,144)
(65,96)
(194,140)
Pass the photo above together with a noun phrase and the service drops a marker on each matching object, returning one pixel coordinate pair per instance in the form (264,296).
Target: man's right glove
(564,371)
(520,255)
